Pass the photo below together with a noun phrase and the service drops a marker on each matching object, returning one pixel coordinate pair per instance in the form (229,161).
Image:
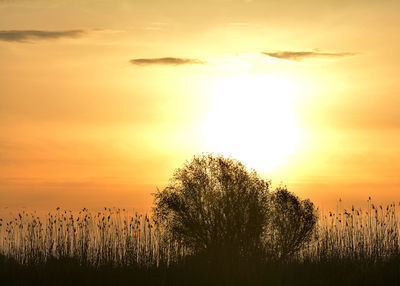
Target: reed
(111,236)
(356,234)
(119,237)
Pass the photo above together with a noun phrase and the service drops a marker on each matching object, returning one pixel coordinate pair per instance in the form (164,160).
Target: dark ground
(69,272)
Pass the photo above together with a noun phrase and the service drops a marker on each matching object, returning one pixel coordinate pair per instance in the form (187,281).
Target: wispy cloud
(301,55)
(167,61)
(27,35)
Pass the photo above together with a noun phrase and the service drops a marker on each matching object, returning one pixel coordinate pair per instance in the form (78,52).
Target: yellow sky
(101,100)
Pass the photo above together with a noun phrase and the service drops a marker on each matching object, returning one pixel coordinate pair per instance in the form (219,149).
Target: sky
(100,101)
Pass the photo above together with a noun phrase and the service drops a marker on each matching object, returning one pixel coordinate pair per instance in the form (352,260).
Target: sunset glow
(251,118)
(100,101)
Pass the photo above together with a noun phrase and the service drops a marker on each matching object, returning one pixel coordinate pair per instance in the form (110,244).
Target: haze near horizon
(100,101)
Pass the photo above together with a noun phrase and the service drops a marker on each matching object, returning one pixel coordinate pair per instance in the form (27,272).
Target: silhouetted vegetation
(291,224)
(215,207)
(216,223)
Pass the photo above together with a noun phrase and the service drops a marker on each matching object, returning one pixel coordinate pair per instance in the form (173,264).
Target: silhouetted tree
(215,206)
(291,223)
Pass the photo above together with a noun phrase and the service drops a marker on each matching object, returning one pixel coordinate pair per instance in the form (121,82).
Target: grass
(110,237)
(117,247)
(371,234)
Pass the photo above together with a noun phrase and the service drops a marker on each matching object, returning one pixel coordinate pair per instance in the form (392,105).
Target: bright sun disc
(251,119)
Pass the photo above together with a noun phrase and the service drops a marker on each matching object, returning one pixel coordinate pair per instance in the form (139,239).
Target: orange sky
(101,100)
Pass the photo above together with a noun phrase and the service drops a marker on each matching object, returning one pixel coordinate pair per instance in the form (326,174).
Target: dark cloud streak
(298,56)
(167,61)
(24,36)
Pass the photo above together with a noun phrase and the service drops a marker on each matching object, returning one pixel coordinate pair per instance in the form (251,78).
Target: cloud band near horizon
(301,55)
(26,35)
(166,61)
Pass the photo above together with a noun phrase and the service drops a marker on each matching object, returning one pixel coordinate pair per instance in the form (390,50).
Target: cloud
(168,61)
(298,56)
(24,36)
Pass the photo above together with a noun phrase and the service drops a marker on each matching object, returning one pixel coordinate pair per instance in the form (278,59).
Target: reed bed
(119,237)
(111,236)
(370,235)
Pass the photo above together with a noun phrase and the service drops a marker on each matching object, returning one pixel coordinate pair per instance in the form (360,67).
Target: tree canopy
(291,223)
(215,205)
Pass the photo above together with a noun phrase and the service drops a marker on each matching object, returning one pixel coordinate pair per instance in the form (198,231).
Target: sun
(251,118)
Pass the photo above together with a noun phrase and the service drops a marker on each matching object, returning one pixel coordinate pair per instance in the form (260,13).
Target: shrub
(292,222)
(215,206)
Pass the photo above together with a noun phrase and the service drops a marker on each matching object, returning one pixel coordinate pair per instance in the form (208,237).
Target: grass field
(117,247)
